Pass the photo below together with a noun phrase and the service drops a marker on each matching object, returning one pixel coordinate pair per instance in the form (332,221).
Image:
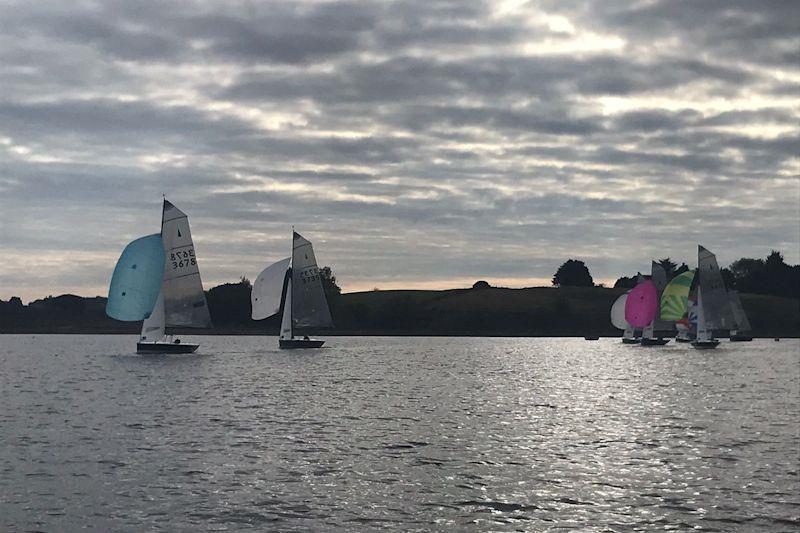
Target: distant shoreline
(534,312)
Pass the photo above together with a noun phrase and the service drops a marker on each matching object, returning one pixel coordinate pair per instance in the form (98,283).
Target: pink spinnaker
(642,304)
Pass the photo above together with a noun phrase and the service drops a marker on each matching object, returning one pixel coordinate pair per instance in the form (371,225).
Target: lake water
(468,434)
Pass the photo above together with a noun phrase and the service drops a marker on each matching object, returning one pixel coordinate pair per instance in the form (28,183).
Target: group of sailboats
(157,281)
(695,304)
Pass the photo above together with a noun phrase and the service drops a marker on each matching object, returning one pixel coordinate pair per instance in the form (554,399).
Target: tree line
(771,276)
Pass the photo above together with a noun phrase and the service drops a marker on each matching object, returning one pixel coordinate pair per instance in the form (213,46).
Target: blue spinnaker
(137,279)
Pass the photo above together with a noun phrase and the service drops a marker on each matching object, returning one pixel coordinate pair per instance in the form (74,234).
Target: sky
(416,143)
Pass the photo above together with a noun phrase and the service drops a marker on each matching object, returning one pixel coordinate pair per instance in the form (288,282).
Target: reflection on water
(398,433)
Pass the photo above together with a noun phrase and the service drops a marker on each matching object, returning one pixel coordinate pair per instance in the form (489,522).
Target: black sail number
(182,258)
(309,275)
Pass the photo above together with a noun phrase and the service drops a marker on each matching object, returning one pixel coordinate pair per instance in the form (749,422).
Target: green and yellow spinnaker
(675,299)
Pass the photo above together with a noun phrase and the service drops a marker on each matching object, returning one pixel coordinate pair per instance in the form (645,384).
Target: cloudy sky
(417,143)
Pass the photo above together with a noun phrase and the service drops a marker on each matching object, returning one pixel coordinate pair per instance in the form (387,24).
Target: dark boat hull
(705,345)
(682,339)
(292,344)
(165,347)
(591,338)
(628,340)
(741,338)
(654,342)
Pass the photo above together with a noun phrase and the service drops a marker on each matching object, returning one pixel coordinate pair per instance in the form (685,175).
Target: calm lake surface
(468,434)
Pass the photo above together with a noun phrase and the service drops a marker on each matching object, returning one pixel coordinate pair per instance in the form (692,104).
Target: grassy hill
(536,311)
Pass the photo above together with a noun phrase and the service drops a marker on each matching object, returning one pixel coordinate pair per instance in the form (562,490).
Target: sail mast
(291,300)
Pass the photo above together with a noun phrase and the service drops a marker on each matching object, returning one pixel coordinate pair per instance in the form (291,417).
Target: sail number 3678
(182,259)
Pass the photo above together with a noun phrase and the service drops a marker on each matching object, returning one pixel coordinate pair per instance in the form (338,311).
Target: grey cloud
(412,79)
(410,139)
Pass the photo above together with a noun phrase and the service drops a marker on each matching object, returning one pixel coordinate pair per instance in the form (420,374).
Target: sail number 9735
(182,259)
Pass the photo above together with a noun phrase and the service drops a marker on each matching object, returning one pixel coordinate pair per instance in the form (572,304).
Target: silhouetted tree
(625,282)
(481,285)
(332,290)
(229,304)
(573,273)
(669,267)
(727,278)
(774,260)
(745,267)
(770,276)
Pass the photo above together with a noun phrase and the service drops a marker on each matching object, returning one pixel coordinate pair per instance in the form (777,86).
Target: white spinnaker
(618,313)
(153,326)
(268,289)
(286,319)
(184,300)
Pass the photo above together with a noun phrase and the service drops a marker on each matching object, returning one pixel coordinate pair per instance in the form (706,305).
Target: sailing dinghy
(157,280)
(713,304)
(742,331)
(294,286)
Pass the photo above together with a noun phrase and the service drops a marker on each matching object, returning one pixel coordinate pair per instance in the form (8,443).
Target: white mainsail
(154,326)
(310,307)
(182,289)
(286,319)
(742,324)
(704,333)
(268,290)
(716,304)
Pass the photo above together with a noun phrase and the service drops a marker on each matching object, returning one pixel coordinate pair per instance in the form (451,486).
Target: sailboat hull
(646,341)
(165,347)
(682,339)
(706,345)
(630,340)
(290,344)
(741,338)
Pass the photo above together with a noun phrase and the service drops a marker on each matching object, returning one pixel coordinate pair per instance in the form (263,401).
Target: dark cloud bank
(414,141)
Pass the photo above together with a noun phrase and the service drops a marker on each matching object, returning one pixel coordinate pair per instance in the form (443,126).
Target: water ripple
(412,434)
